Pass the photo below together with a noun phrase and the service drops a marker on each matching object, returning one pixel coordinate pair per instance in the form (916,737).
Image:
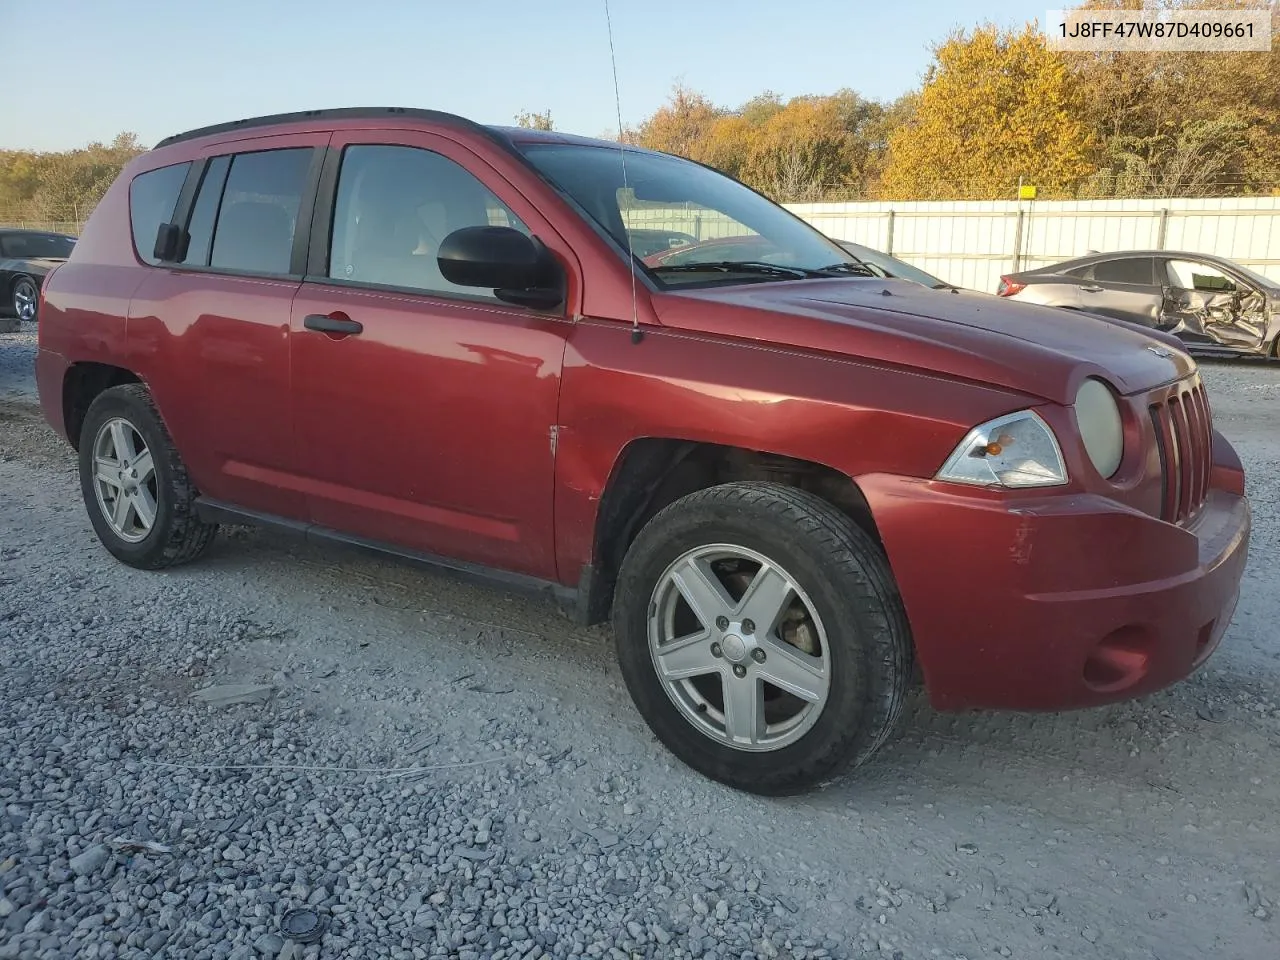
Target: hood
(1039,351)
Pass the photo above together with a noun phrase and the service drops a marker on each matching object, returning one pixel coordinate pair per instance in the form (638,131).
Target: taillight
(1009,287)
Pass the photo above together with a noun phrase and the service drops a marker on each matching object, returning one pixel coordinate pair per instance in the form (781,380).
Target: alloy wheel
(124,478)
(739,647)
(25,298)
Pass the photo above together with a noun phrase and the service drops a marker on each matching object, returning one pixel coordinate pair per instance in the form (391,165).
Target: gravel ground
(443,770)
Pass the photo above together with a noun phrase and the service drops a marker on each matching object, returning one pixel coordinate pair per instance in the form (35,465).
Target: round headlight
(1101,428)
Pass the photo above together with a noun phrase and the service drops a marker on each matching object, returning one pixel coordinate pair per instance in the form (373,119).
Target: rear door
(427,420)
(210,328)
(1205,303)
(1125,288)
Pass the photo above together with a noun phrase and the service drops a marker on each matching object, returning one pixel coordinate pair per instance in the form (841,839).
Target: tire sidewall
(108,406)
(837,732)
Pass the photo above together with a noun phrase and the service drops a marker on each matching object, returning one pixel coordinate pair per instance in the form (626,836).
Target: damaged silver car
(1215,306)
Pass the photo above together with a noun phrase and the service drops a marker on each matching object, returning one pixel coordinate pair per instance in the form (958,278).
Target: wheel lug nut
(757,655)
(748,626)
(722,622)
(739,671)
(715,650)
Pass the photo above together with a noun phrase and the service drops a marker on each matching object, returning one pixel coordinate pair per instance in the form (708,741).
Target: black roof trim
(335,113)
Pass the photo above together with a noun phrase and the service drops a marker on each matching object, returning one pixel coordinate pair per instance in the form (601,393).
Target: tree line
(61,186)
(996,106)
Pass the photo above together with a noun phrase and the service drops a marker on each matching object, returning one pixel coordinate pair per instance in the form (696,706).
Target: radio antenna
(636,335)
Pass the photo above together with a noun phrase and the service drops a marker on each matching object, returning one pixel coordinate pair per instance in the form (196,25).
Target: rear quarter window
(153,196)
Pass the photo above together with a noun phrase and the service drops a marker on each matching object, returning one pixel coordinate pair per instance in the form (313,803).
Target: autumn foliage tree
(996,105)
(1182,123)
(62,186)
(804,148)
(534,121)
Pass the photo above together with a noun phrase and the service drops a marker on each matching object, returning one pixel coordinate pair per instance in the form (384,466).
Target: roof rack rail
(334,113)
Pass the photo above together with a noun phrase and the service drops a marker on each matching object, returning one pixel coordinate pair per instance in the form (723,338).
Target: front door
(1202,303)
(424,412)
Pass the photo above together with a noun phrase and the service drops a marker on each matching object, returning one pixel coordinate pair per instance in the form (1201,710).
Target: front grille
(1184,435)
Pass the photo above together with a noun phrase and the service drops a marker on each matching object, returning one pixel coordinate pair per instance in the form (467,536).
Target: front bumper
(1057,602)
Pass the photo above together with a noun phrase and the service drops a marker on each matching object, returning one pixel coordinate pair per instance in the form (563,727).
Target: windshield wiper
(848,269)
(739,266)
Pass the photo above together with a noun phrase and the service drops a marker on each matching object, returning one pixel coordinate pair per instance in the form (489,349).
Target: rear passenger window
(1139,270)
(152,198)
(259,211)
(205,211)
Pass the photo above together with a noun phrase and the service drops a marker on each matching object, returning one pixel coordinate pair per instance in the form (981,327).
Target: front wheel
(761,636)
(25,299)
(140,500)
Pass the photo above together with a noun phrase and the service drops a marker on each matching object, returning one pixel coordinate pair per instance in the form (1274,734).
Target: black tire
(178,535)
(848,580)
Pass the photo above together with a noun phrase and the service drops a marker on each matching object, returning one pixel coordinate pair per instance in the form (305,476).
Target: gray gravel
(440,770)
(439,853)
(17,359)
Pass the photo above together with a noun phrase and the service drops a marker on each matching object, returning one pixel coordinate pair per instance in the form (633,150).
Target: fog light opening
(1120,660)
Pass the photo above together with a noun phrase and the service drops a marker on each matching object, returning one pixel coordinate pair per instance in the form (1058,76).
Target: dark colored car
(785,481)
(887,266)
(1214,306)
(26,257)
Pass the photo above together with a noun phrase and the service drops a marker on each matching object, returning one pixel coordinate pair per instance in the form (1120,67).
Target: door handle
(1091,288)
(318,321)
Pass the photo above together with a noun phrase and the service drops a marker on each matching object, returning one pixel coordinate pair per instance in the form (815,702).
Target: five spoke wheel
(739,647)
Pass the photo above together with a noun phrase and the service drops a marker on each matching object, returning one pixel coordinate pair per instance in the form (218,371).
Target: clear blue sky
(85,70)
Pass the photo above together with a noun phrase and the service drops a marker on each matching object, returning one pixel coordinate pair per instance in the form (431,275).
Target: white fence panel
(971,243)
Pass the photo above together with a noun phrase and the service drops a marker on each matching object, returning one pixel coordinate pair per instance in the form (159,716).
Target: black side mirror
(519,269)
(171,243)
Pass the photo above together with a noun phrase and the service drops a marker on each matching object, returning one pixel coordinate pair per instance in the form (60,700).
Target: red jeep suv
(786,481)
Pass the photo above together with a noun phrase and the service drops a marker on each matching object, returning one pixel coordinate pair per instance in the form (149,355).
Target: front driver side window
(1187,275)
(394,207)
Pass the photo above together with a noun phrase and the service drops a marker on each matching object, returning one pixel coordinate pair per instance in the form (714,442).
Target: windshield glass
(1257,278)
(36,245)
(686,223)
(892,265)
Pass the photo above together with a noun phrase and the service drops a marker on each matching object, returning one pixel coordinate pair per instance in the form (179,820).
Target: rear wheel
(761,636)
(140,500)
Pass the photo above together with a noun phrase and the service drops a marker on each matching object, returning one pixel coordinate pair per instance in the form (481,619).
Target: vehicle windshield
(1256,277)
(894,267)
(687,224)
(33,246)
